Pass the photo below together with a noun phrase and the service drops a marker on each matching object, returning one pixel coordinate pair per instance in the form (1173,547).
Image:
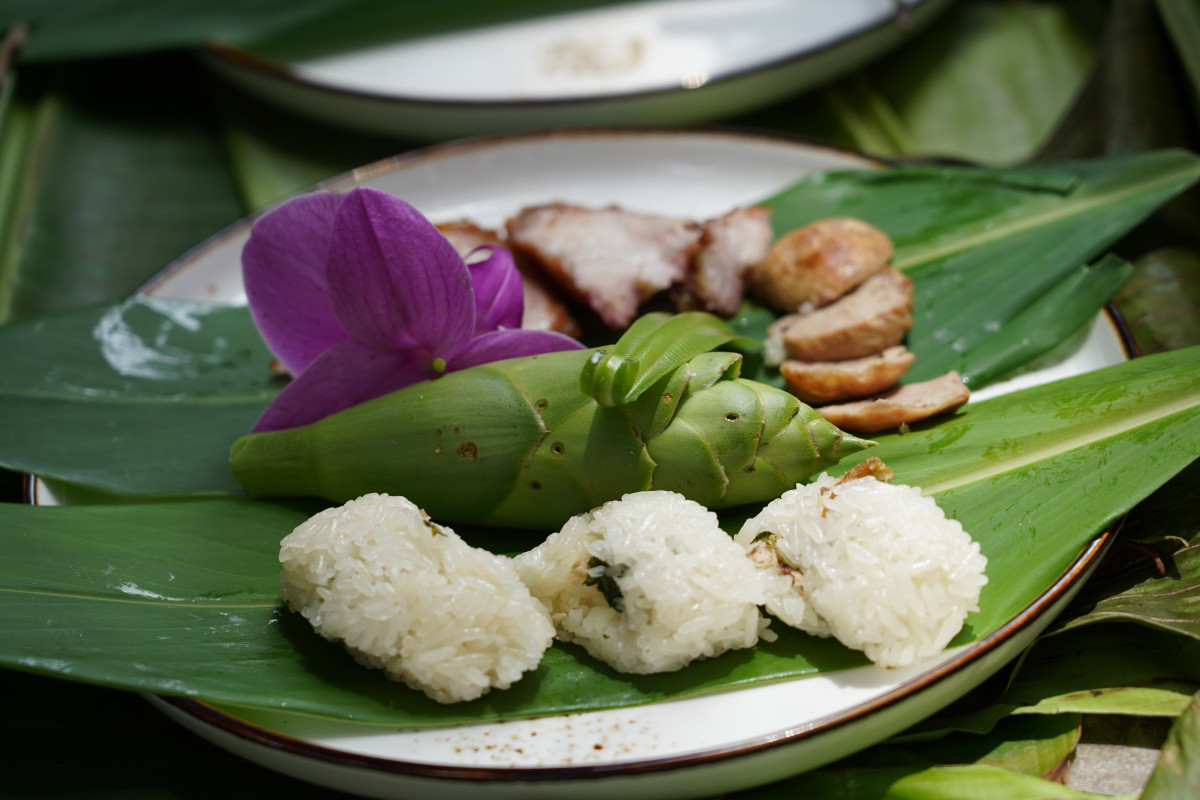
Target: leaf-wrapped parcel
(515,443)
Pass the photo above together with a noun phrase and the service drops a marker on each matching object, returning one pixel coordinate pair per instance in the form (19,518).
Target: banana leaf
(160,388)
(1177,774)
(105,175)
(987,83)
(1161,302)
(75,29)
(180,598)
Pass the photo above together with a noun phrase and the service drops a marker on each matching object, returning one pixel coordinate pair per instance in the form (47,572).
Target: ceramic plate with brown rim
(656,62)
(697,746)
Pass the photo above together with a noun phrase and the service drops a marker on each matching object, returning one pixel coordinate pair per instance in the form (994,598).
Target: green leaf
(1161,302)
(966,782)
(72,29)
(1096,444)
(1113,669)
(107,175)
(985,83)
(1182,18)
(160,388)
(1177,775)
(1048,321)
(981,249)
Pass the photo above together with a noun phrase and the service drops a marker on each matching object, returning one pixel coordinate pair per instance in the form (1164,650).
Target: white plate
(697,746)
(661,62)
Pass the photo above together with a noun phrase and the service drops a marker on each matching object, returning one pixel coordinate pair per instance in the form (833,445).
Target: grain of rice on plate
(648,583)
(412,598)
(876,565)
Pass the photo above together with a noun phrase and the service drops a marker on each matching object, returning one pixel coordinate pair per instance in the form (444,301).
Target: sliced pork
(610,259)
(729,246)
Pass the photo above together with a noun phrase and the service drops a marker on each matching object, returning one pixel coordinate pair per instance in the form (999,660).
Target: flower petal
(344,375)
(283,268)
(499,345)
(499,293)
(394,280)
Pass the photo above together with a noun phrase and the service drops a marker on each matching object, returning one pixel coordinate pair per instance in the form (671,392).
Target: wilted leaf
(1161,303)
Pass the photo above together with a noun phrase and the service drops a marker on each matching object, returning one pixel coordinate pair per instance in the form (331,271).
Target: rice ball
(648,583)
(412,598)
(876,565)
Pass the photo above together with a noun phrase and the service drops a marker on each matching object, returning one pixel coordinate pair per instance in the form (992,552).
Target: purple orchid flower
(358,295)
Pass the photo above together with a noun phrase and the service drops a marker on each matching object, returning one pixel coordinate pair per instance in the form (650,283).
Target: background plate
(696,746)
(661,62)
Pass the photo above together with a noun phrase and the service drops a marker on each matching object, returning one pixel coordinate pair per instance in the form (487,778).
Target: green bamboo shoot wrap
(517,444)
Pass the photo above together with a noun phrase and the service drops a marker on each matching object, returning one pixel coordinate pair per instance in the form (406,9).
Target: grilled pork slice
(544,309)
(610,259)
(813,266)
(899,406)
(729,246)
(819,383)
(869,320)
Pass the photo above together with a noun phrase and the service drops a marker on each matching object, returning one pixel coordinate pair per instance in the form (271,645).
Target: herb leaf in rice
(876,565)
(412,598)
(648,583)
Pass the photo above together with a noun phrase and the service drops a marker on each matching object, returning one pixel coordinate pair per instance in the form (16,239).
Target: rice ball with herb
(648,583)
(876,565)
(412,598)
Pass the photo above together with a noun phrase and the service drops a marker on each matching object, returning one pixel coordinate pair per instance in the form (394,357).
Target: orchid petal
(499,345)
(344,375)
(499,293)
(284,274)
(394,280)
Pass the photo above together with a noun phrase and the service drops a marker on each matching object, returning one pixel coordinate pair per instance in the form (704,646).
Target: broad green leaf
(987,83)
(1049,320)
(980,252)
(1177,775)
(1110,669)
(1161,303)
(1031,745)
(1170,601)
(73,29)
(1119,430)
(142,397)
(1182,18)
(115,171)
(965,782)
(270,162)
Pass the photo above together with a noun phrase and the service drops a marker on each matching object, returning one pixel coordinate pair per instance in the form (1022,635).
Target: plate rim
(911,17)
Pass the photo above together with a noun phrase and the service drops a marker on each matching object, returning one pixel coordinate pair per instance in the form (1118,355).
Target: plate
(702,745)
(647,63)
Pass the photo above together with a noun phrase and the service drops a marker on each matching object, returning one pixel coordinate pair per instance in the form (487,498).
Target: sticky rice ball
(412,598)
(648,583)
(876,565)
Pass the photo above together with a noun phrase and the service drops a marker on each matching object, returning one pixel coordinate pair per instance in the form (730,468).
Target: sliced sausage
(822,382)
(899,406)
(872,318)
(814,265)
(610,259)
